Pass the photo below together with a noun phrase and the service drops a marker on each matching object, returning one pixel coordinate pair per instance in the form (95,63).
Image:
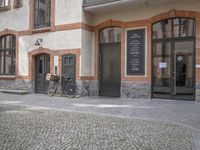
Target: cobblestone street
(32,122)
(32,128)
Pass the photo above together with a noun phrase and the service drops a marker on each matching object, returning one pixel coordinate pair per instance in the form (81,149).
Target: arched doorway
(42,67)
(173,59)
(109,61)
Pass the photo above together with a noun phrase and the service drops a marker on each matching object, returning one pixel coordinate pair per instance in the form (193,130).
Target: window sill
(41,30)
(7,77)
(5,8)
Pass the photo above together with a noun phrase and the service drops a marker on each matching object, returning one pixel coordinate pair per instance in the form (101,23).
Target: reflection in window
(110,35)
(4,3)
(42,13)
(18,3)
(68,60)
(7,54)
(40,68)
(177,27)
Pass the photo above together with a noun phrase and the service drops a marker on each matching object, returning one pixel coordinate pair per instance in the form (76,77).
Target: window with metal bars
(42,13)
(7,55)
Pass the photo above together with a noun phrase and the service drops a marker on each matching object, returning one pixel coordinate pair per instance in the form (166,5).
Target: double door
(173,70)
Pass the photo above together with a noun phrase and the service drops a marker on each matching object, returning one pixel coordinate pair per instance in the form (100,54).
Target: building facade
(130,49)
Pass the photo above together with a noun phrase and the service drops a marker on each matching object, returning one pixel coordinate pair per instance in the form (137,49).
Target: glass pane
(187,27)
(167,28)
(71,62)
(40,65)
(6,2)
(8,62)
(110,35)
(162,67)
(8,41)
(158,30)
(176,27)
(184,64)
(2,4)
(42,13)
(13,42)
(2,40)
(66,60)
(44,10)
(1,62)
(47,63)
(14,62)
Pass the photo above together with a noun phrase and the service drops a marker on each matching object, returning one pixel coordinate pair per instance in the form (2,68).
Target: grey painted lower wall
(26,85)
(129,89)
(135,90)
(198,91)
(87,87)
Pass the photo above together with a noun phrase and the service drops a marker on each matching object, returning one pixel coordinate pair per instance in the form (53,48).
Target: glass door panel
(162,83)
(183,69)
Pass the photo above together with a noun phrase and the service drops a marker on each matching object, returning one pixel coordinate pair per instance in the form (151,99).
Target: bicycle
(68,86)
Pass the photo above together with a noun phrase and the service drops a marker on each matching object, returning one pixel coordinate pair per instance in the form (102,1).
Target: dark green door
(69,66)
(42,67)
(110,69)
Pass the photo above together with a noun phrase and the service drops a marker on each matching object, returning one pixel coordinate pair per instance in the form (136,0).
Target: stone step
(20,92)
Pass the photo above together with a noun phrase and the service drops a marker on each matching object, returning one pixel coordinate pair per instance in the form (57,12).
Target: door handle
(174,73)
(100,64)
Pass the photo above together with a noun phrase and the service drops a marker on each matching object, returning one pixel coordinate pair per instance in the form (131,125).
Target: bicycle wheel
(52,88)
(69,90)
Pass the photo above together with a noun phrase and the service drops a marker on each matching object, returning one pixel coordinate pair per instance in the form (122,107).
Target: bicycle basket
(55,78)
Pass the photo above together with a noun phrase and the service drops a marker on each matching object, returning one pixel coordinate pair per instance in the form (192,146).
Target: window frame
(11,50)
(37,25)
(5,7)
(173,25)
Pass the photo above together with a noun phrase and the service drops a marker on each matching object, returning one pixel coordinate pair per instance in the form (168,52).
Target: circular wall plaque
(180,58)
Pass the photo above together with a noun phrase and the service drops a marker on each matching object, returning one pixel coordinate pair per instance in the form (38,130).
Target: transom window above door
(174,28)
(42,13)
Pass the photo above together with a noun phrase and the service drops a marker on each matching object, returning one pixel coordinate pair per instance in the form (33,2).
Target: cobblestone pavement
(36,128)
(182,112)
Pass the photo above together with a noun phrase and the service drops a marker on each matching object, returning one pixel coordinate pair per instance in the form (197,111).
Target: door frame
(44,67)
(173,40)
(100,69)
(99,59)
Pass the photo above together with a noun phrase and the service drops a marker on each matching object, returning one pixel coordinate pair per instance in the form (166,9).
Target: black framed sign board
(135,46)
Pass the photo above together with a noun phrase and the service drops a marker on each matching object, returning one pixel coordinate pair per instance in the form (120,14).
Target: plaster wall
(68,11)
(15,19)
(87,53)
(87,17)
(145,12)
(52,40)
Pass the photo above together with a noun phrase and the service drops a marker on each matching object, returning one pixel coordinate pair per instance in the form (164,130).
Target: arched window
(7,54)
(173,28)
(173,54)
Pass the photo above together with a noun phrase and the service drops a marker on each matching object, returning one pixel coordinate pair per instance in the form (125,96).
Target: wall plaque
(136,52)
